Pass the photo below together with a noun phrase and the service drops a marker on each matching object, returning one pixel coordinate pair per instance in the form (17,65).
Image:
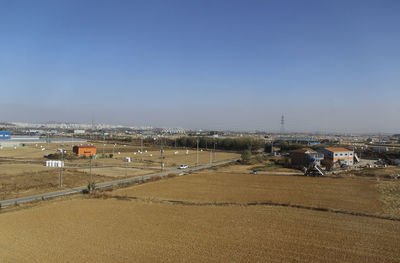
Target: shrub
(246,156)
(91,186)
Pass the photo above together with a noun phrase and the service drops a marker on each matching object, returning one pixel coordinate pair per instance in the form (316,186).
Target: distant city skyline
(327,66)
(104,126)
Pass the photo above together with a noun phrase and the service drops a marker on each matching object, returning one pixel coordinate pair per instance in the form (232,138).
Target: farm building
(338,155)
(379,148)
(79,131)
(86,150)
(5,135)
(299,140)
(6,141)
(305,156)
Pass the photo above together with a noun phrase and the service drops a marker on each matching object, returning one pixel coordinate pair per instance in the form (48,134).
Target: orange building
(84,150)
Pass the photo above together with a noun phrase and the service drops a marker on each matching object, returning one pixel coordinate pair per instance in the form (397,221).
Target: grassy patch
(390,196)
(266,166)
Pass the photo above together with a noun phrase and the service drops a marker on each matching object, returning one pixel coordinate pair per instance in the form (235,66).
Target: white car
(183,166)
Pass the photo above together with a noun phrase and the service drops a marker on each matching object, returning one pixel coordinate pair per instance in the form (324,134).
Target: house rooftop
(338,149)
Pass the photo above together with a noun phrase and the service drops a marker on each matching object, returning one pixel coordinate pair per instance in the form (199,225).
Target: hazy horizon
(328,66)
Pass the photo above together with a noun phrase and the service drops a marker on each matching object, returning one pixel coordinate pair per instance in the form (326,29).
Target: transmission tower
(282,124)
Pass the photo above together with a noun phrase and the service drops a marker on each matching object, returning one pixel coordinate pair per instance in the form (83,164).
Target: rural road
(76,190)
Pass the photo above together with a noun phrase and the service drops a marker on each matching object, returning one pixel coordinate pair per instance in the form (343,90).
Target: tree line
(227,144)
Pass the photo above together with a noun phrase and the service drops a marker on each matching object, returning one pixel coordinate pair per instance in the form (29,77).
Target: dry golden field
(119,172)
(377,172)
(358,195)
(28,152)
(23,173)
(151,156)
(211,216)
(134,231)
(41,180)
(248,168)
(390,195)
(18,168)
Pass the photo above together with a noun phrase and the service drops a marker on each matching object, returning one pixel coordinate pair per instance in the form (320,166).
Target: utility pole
(61,169)
(104,144)
(141,149)
(272,147)
(162,155)
(211,156)
(91,179)
(197,152)
(214,151)
(126,169)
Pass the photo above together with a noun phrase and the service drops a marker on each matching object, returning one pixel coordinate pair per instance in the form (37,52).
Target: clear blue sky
(326,65)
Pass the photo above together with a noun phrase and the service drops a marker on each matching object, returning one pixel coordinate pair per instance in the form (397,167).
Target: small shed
(84,150)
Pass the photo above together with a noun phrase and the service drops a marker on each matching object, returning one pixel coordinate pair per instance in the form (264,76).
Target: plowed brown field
(358,195)
(206,217)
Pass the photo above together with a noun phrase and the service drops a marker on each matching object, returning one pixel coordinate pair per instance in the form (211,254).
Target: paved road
(76,190)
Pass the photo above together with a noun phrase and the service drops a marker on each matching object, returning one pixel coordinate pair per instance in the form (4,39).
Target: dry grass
(31,152)
(22,170)
(97,230)
(377,172)
(261,167)
(28,152)
(118,172)
(390,196)
(358,195)
(172,160)
(140,226)
(26,184)
(15,169)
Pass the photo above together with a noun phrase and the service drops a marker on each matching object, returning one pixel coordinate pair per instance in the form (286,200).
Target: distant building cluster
(70,126)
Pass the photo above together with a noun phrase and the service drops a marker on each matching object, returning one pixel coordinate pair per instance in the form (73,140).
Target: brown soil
(131,231)
(42,182)
(206,217)
(346,194)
